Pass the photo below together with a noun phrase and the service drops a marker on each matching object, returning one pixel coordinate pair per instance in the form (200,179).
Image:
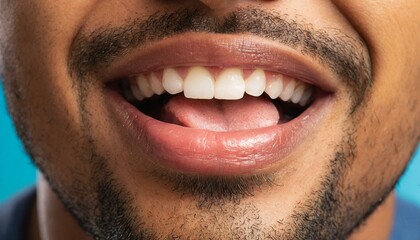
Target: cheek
(42,96)
(386,129)
(386,135)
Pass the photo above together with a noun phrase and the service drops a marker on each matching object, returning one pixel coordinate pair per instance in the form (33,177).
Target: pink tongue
(221,115)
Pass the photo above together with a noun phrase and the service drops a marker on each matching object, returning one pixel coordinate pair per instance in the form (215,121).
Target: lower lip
(204,152)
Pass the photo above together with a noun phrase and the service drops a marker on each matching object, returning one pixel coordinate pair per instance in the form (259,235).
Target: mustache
(342,54)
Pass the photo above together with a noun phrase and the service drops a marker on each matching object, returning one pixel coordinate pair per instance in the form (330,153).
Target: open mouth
(218,99)
(221,110)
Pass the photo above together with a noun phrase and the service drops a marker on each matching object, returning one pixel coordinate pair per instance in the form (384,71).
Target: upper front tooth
(172,82)
(144,86)
(275,87)
(156,84)
(297,95)
(255,83)
(288,90)
(230,84)
(199,84)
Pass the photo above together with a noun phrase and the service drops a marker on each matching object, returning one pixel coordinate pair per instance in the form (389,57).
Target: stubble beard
(117,217)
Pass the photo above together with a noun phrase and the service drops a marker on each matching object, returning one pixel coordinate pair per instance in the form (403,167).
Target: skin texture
(336,178)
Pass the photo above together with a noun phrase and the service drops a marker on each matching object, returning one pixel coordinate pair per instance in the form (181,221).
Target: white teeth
(275,87)
(172,82)
(255,83)
(306,96)
(144,86)
(288,90)
(297,95)
(156,84)
(199,84)
(230,84)
(135,89)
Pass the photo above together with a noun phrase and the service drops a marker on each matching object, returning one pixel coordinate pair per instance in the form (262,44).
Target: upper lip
(245,51)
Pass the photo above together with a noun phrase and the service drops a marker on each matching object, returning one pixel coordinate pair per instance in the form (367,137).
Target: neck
(53,221)
(379,224)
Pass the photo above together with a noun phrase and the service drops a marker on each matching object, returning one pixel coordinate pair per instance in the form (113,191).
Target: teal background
(17,172)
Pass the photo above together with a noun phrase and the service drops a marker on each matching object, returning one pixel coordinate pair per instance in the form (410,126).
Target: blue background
(17,172)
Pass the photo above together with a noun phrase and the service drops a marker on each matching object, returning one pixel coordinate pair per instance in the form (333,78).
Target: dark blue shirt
(406,221)
(14,215)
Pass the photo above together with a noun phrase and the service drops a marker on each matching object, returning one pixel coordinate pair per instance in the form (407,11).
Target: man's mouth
(215,118)
(218,99)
